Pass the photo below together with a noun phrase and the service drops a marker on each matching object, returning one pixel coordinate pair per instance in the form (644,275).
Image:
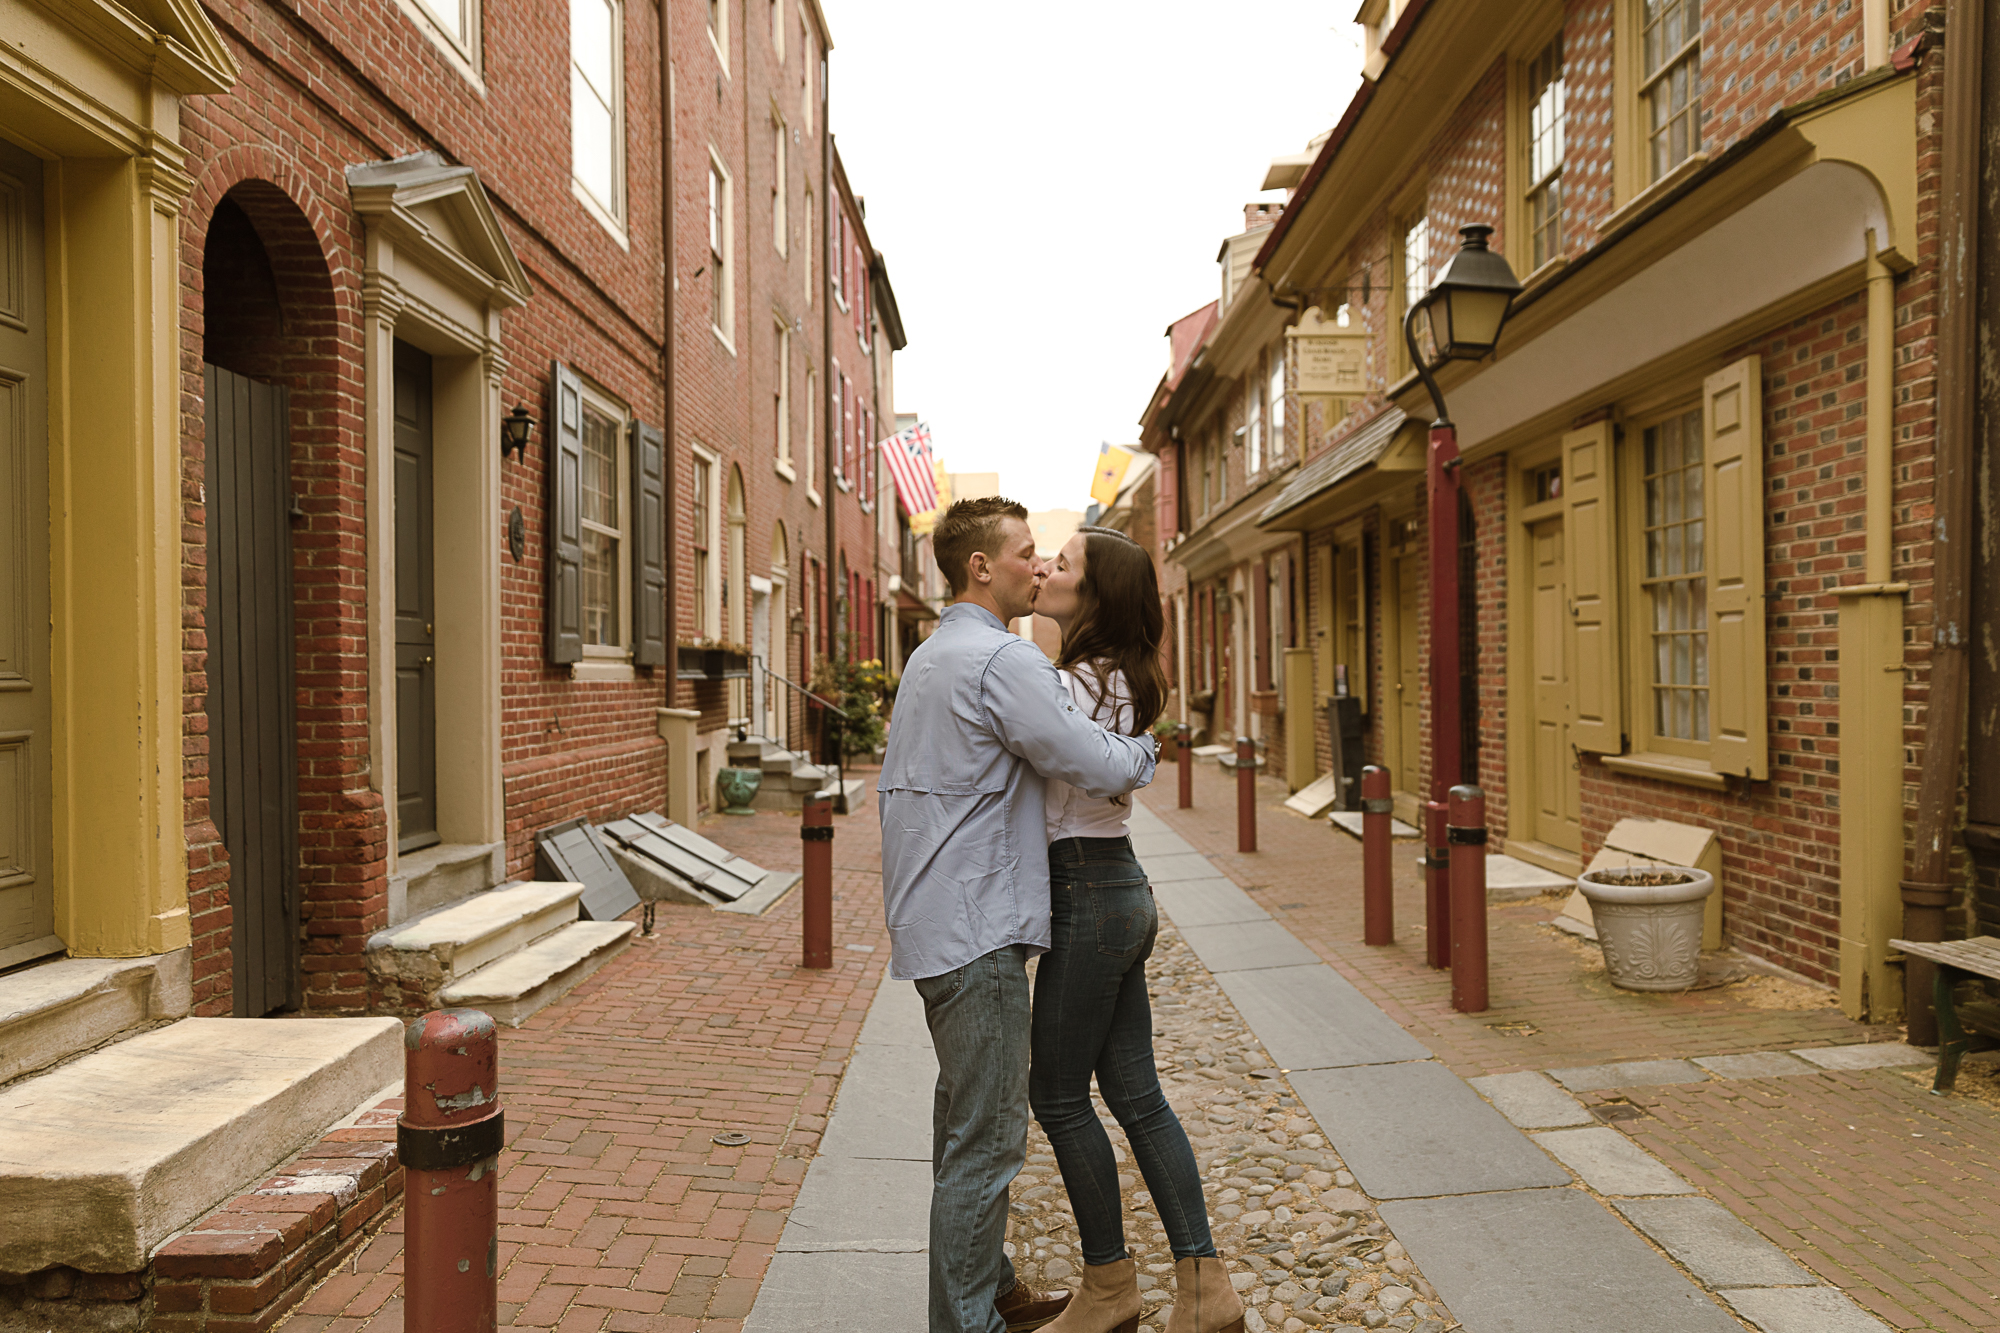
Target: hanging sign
(1332,358)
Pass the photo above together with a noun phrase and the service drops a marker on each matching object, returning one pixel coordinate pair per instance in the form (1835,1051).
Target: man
(981,719)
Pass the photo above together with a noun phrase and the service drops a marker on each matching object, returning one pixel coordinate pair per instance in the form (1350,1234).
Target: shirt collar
(968,610)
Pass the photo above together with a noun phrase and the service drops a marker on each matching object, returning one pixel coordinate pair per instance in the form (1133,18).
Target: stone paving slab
(861,1204)
(1712,1243)
(1417,1129)
(1349,821)
(1629,1074)
(1530,1101)
(1610,1163)
(1868,1055)
(1161,843)
(1755,1064)
(843,1293)
(1548,1261)
(1185,865)
(885,1105)
(1237,946)
(1509,878)
(1804,1310)
(1206,902)
(1311,1017)
(896,1018)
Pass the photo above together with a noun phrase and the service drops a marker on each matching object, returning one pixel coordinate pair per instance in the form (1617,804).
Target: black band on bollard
(816,833)
(1377,805)
(1466,836)
(422,1149)
(1437,858)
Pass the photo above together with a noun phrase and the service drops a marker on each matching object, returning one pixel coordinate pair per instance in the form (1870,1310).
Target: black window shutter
(565,518)
(649,557)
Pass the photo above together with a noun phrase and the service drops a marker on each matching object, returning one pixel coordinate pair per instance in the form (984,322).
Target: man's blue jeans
(1092,1016)
(978,1017)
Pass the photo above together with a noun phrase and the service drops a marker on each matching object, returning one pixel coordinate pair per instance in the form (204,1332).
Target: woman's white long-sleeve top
(1071,814)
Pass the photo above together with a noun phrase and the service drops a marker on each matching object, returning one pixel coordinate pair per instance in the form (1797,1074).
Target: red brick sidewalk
(617,1210)
(1864,1177)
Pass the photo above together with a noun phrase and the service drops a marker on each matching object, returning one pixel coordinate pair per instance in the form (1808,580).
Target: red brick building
(1697,470)
(407,225)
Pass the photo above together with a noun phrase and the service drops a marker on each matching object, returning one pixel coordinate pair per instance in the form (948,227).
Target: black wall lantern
(514,430)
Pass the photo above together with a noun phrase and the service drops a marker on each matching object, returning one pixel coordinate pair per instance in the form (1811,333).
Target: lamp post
(1463,312)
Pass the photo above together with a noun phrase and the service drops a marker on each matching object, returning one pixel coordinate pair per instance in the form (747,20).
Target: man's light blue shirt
(981,718)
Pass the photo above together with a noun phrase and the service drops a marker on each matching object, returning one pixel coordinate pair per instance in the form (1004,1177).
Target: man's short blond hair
(968,526)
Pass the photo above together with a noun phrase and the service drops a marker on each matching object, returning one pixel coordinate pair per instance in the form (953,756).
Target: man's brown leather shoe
(1024,1308)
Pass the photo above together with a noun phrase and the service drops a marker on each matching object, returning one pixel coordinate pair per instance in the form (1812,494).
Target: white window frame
(1688,53)
(812,435)
(462,50)
(722,232)
(781,184)
(808,251)
(1253,430)
(718,32)
(778,30)
(599,403)
(708,581)
(1275,396)
(1544,130)
(782,408)
(609,212)
(836,256)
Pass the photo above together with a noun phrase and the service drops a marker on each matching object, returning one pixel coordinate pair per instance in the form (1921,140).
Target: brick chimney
(1261,215)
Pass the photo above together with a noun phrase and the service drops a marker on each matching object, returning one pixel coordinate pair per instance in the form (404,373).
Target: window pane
(600,470)
(590,43)
(600,588)
(1679,595)
(591,141)
(450,15)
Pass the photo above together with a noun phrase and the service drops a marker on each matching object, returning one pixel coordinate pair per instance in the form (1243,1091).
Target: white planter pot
(1651,933)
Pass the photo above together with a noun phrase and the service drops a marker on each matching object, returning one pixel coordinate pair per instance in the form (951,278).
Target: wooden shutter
(1599,724)
(1732,417)
(564,556)
(1260,624)
(649,549)
(1326,632)
(1355,640)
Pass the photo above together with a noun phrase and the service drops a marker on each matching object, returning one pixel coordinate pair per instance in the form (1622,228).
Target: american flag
(908,454)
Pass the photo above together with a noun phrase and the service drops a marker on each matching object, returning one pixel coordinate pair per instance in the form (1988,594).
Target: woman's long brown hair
(1119,625)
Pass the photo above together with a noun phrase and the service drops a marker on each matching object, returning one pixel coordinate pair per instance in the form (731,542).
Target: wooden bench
(1957,960)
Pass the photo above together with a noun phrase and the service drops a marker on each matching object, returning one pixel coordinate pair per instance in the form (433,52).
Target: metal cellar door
(253,759)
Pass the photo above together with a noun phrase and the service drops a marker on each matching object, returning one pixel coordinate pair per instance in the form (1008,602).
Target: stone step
(811,777)
(425,955)
(852,796)
(539,975)
(438,876)
(107,1157)
(55,1010)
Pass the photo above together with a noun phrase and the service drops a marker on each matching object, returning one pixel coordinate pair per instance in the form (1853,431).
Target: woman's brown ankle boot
(1108,1303)
(1204,1301)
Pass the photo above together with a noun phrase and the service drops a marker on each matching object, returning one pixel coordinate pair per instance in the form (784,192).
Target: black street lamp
(1464,311)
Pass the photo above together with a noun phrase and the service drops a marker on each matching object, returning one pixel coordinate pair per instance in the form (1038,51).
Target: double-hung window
(701,510)
(597,105)
(781,397)
(1276,397)
(604,519)
(1253,431)
(836,422)
(1413,279)
(780,182)
(607,542)
(1546,127)
(722,291)
(1675,581)
(1670,87)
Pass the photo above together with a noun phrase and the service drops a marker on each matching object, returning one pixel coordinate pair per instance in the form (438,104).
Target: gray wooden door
(253,771)
(416,608)
(27,891)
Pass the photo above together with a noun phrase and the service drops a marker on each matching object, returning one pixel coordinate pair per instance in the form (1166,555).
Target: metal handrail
(839,759)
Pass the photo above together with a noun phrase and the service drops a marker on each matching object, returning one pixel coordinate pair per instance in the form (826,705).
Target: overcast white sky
(1050,187)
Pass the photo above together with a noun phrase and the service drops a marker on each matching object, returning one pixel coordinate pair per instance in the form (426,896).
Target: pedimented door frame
(438,274)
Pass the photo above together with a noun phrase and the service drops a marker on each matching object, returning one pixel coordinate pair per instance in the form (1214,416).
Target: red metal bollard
(1378,902)
(1246,794)
(1184,758)
(1437,887)
(816,832)
(1467,834)
(448,1139)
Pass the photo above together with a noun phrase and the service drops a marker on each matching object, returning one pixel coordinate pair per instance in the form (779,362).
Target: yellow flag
(1111,465)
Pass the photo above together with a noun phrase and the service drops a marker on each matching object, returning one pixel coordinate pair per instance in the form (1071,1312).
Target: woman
(1091,1013)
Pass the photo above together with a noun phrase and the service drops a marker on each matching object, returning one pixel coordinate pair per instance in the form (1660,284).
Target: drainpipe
(1929,890)
(829,489)
(668,342)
